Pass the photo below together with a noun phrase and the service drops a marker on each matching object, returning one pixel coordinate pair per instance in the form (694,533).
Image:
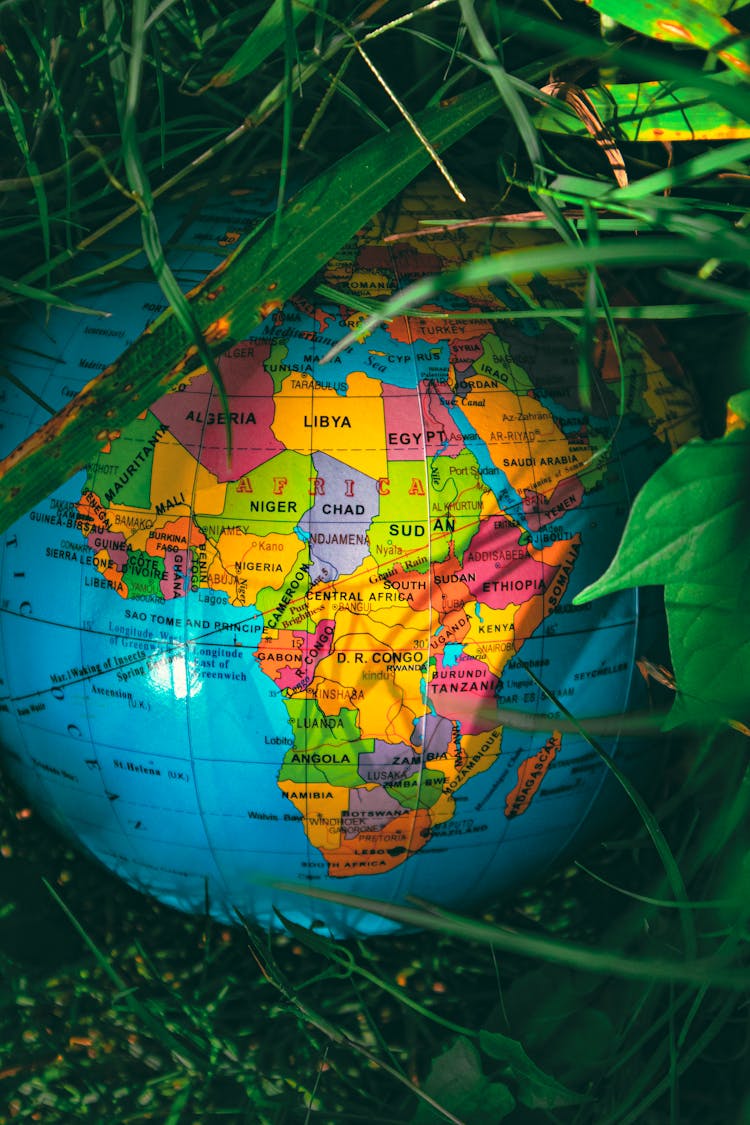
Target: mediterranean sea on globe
(289,666)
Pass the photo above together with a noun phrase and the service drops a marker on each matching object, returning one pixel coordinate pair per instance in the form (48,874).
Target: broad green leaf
(689,531)
(677,67)
(255,278)
(689,523)
(557,1014)
(533,1087)
(262,41)
(709,640)
(681,21)
(457,1082)
(651,111)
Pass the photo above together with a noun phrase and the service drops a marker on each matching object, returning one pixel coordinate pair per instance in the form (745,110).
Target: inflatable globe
(229,677)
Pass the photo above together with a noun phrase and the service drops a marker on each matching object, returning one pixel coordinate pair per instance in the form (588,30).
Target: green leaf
(535,1089)
(457,1082)
(314,225)
(689,531)
(651,111)
(680,21)
(556,1012)
(709,640)
(688,523)
(731,94)
(261,42)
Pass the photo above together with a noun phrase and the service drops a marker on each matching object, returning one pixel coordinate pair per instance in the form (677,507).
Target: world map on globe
(288,663)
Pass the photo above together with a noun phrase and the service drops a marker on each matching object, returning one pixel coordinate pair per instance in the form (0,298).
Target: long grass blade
(426,916)
(506,266)
(269,34)
(15,117)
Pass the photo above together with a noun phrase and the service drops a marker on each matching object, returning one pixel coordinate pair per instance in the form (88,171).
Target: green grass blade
(321,218)
(46,69)
(714,160)
(425,916)
(287,112)
(6,374)
(723,296)
(47,297)
(131,78)
(506,266)
(154,1026)
(15,117)
(505,87)
(650,823)
(727,295)
(263,41)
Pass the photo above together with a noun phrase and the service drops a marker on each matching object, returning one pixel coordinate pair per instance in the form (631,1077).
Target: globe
(310,664)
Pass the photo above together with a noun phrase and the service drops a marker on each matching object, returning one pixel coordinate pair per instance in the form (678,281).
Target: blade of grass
(15,117)
(344,958)
(154,1026)
(541,312)
(426,916)
(270,33)
(274,976)
(21,386)
(653,1091)
(714,160)
(31,292)
(650,823)
(662,903)
(46,68)
(506,266)
(258,115)
(290,47)
(728,295)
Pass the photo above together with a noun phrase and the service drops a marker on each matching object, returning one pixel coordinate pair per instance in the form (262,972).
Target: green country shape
(283,482)
(418,791)
(143,574)
(456,493)
(407,530)
(276,365)
(123,476)
(497,363)
(327,747)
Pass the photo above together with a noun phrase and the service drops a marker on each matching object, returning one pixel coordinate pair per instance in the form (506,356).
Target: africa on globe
(288,663)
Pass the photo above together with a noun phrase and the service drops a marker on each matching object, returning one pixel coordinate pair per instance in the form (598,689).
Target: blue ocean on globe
(304,666)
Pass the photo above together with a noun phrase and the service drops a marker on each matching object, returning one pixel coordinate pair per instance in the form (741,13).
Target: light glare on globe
(289,665)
